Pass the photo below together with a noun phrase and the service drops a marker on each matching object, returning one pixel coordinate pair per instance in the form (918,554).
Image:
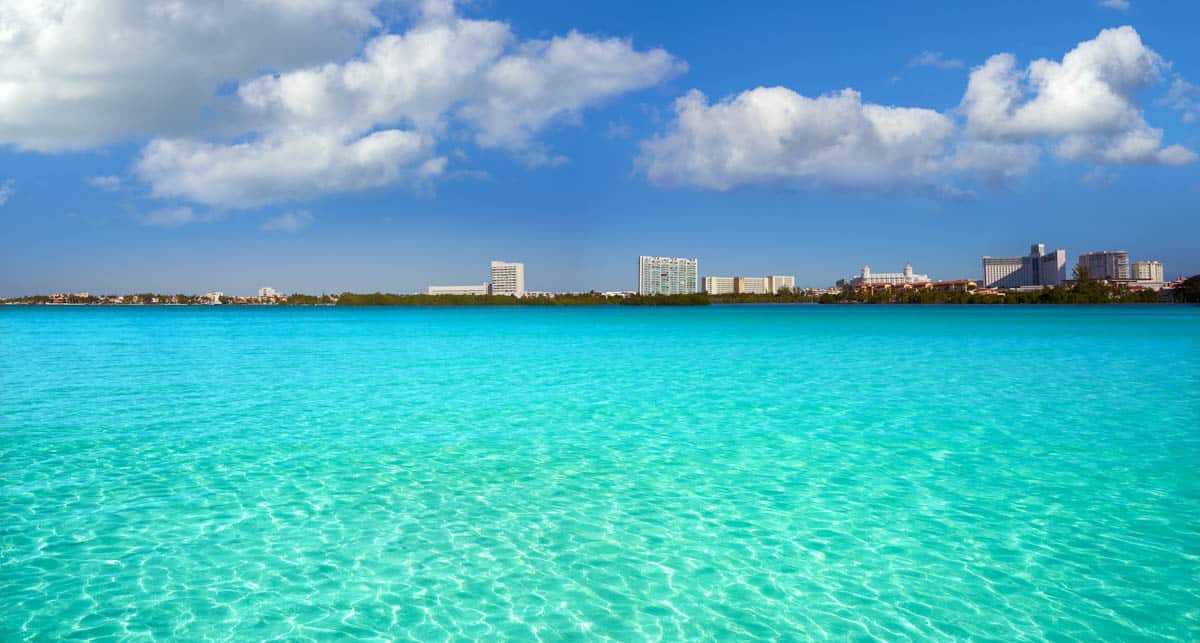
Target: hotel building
(750,285)
(1147,271)
(508,278)
(868,278)
(1106,265)
(1039,268)
(667,276)
(777,283)
(719,285)
(480,289)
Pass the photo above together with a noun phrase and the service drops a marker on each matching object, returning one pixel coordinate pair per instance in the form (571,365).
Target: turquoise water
(589,473)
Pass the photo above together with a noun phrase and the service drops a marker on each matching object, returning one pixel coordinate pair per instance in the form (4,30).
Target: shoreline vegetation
(1082,291)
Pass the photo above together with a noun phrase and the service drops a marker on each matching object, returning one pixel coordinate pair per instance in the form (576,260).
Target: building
(481,289)
(267,292)
(957,285)
(779,283)
(508,278)
(1039,268)
(214,297)
(1147,271)
(752,285)
(868,278)
(748,285)
(719,285)
(668,276)
(1112,265)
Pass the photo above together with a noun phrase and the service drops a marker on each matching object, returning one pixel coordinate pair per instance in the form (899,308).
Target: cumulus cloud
(548,79)
(287,166)
(1083,107)
(7,189)
(935,59)
(1120,5)
(290,222)
(1185,97)
(1086,104)
(75,74)
(773,134)
(106,183)
(377,120)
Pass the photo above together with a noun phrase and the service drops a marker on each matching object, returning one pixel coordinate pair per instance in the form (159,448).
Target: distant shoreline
(1078,292)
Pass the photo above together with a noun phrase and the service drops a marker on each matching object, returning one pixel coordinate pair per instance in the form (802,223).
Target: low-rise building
(957,285)
(476,289)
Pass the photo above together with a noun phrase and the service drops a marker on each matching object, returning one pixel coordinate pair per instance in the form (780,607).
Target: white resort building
(508,278)
(868,278)
(1038,268)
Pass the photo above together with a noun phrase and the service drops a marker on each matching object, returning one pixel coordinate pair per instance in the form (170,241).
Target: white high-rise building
(267,292)
(1147,271)
(1039,268)
(1106,265)
(868,278)
(719,285)
(668,276)
(508,278)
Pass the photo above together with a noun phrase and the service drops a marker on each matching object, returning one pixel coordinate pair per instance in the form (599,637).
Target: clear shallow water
(725,472)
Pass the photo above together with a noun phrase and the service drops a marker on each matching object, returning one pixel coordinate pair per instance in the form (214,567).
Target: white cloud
(291,222)
(285,166)
(774,135)
(1084,108)
(377,120)
(935,59)
(1120,5)
(1086,104)
(548,79)
(76,74)
(106,183)
(7,189)
(170,217)
(1185,97)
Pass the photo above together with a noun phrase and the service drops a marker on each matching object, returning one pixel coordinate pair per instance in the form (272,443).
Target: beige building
(719,285)
(1151,271)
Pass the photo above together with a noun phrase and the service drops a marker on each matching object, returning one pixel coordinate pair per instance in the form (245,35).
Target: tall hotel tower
(1039,268)
(668,276)
(508,278)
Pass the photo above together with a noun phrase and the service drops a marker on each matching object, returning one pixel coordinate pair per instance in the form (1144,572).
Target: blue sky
(371,145)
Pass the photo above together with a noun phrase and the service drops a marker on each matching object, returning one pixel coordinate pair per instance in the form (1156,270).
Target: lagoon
(679,473)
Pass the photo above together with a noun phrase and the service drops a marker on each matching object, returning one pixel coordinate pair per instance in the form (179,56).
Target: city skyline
(591,162)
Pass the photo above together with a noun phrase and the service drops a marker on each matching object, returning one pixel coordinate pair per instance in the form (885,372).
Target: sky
(364,145)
